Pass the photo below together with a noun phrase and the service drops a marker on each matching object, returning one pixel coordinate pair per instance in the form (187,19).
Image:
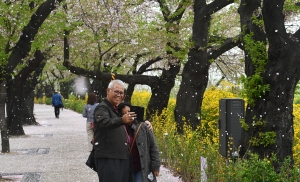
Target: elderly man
(111,140)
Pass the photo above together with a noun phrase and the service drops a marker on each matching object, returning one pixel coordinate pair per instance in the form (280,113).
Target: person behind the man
(88,113)
(145,152)
(111,140)
(56,103)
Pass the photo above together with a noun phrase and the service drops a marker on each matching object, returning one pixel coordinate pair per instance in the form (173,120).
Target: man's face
(115,95)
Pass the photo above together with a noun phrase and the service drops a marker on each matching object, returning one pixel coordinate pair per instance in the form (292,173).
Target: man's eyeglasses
(116,92)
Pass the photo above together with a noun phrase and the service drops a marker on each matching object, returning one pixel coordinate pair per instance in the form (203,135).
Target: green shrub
(297,99)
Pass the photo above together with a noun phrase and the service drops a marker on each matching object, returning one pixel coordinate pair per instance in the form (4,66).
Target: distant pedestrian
(88,113)
(57,103)
(144,151)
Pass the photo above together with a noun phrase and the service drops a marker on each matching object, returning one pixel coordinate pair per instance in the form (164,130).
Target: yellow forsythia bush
(140,98)
(296,148)
(182,153)
(210,112)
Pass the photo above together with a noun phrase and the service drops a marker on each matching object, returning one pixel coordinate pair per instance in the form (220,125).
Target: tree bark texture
(161,90)
(66,88)
(191,91)
(129,93)
(48,92)
(16,96)
(39,92)
(3,121)
(28,95)
(14,108)
(195,72)
(28,106)
(275,108)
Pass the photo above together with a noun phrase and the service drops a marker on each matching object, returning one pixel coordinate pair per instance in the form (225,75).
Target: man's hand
(128,118)
(149,125)
(155,173)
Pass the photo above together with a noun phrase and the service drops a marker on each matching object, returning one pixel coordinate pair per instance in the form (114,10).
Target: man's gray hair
(119,82)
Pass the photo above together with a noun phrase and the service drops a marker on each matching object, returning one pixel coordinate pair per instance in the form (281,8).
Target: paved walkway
(55,151)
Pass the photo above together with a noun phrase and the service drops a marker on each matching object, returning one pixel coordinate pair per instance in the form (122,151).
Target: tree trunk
(39,92)
(275,107)
(48,92)
(195,72)
(192,88)
(275,110)
(28,95)
(161,90)
(246,11)
(28,107)
(15,108)
(3,122)
(99,87)
(65,88)
(17,92)
(129,92)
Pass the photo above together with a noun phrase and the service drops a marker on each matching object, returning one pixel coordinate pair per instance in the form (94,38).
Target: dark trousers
(56,110)
(113,170)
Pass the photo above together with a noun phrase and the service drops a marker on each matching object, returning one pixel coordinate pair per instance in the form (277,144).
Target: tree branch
(23,46)
(228,44)
(144,66)
(217,5)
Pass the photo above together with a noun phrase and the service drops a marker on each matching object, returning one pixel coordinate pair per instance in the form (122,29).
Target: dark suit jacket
(110,135)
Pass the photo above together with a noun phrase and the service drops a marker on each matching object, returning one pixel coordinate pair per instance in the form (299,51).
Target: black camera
(139,111)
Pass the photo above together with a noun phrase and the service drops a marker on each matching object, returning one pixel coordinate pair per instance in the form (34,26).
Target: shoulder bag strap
(135,137)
